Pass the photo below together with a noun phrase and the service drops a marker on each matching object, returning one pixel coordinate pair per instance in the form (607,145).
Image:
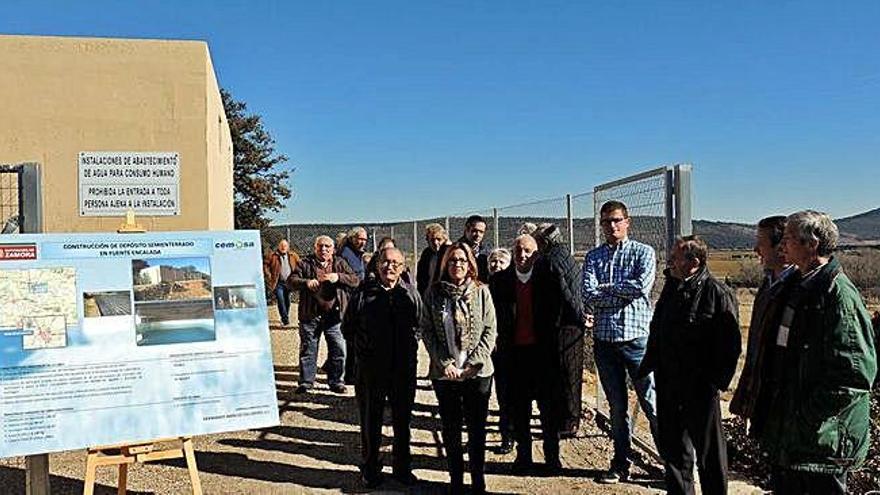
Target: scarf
(461,307)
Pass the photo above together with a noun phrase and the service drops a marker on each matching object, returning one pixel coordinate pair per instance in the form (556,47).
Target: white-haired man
(323,281)
(817,427)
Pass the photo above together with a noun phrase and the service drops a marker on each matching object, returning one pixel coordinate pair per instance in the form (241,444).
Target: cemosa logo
(14,252)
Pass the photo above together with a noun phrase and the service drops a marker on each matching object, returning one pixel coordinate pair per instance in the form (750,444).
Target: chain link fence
(10,199)
(647,196)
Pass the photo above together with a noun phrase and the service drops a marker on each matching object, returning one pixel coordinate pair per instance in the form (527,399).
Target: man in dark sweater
(382,322)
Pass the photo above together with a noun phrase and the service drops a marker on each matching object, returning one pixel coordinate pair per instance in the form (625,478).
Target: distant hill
(725,235)
(863,228)
(855,230)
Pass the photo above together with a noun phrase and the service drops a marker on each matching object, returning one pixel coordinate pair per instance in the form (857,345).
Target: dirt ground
(316,450)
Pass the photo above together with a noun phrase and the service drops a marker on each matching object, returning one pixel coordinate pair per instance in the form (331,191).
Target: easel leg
(190,455)
(91,466)
(122,484)
(37,474)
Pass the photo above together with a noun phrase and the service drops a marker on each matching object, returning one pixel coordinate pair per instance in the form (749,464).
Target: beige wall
(63,95)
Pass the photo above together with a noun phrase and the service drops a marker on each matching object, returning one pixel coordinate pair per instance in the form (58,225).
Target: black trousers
(464,401)
(502,363)
(689,430)
(372,392)
(350,363)
(789,482)
(571,352)
(535,377)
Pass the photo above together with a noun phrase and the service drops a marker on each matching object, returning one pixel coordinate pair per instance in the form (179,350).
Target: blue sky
(400,110)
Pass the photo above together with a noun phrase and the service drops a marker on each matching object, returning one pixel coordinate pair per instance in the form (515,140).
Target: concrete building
(66,97)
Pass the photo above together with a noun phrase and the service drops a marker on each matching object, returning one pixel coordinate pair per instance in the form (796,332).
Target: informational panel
(111,338)
(112,182)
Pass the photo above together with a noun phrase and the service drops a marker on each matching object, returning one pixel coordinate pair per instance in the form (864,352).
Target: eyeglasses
(392,263)
(609,221)
(458,261)
(362,239)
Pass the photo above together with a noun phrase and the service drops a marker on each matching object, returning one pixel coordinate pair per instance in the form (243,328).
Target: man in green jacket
(818,425)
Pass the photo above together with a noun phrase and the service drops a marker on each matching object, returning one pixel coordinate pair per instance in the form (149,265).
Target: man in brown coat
(277,269)
(323,281)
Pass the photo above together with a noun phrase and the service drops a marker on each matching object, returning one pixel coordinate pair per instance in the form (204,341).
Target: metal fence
(10,199)
(20,202)
(650,196)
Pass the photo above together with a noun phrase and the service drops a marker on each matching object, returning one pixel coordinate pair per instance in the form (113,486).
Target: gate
(20,201)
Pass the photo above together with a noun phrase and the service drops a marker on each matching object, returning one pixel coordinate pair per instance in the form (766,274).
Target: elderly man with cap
(568,320)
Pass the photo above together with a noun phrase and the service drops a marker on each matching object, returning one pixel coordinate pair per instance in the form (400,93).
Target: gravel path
(316,450)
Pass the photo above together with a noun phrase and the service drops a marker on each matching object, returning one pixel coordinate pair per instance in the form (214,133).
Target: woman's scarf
(462,316)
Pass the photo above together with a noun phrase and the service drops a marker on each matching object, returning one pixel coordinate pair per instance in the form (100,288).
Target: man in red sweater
(529,342)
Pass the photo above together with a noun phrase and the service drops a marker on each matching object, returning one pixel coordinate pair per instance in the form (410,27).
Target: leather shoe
(372,480)
(407,479)
(506,446)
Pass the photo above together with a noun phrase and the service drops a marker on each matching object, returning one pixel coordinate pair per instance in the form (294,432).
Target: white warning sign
(112,182)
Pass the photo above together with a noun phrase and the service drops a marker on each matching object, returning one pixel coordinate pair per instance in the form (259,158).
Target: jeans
(309,334)
(462,402)
(614,360)
(282,296)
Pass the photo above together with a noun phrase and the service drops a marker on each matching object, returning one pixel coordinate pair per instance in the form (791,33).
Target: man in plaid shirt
(617,281)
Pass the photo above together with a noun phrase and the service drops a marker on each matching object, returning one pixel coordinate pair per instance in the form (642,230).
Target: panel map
(41,302)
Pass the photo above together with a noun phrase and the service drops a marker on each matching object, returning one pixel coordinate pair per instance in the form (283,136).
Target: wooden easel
(129,453)
(124,454)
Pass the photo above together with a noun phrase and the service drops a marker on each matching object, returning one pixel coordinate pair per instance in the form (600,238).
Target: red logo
(15,252)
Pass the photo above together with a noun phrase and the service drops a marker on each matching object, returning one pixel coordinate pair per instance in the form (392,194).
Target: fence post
(670,211)
(683,196)
(415,251)
(392,233)
(30,215)
(495,226)
(447,228)
(597,229)
(288,233)
(570,219)
(30,199)
(375,247)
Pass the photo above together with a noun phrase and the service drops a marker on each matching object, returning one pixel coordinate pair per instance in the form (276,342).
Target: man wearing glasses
(617,280)
(382,322)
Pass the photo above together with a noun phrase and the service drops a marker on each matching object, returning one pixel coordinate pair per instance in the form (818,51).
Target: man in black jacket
(474,231)
(382,321)
(568,318)
(693,349)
